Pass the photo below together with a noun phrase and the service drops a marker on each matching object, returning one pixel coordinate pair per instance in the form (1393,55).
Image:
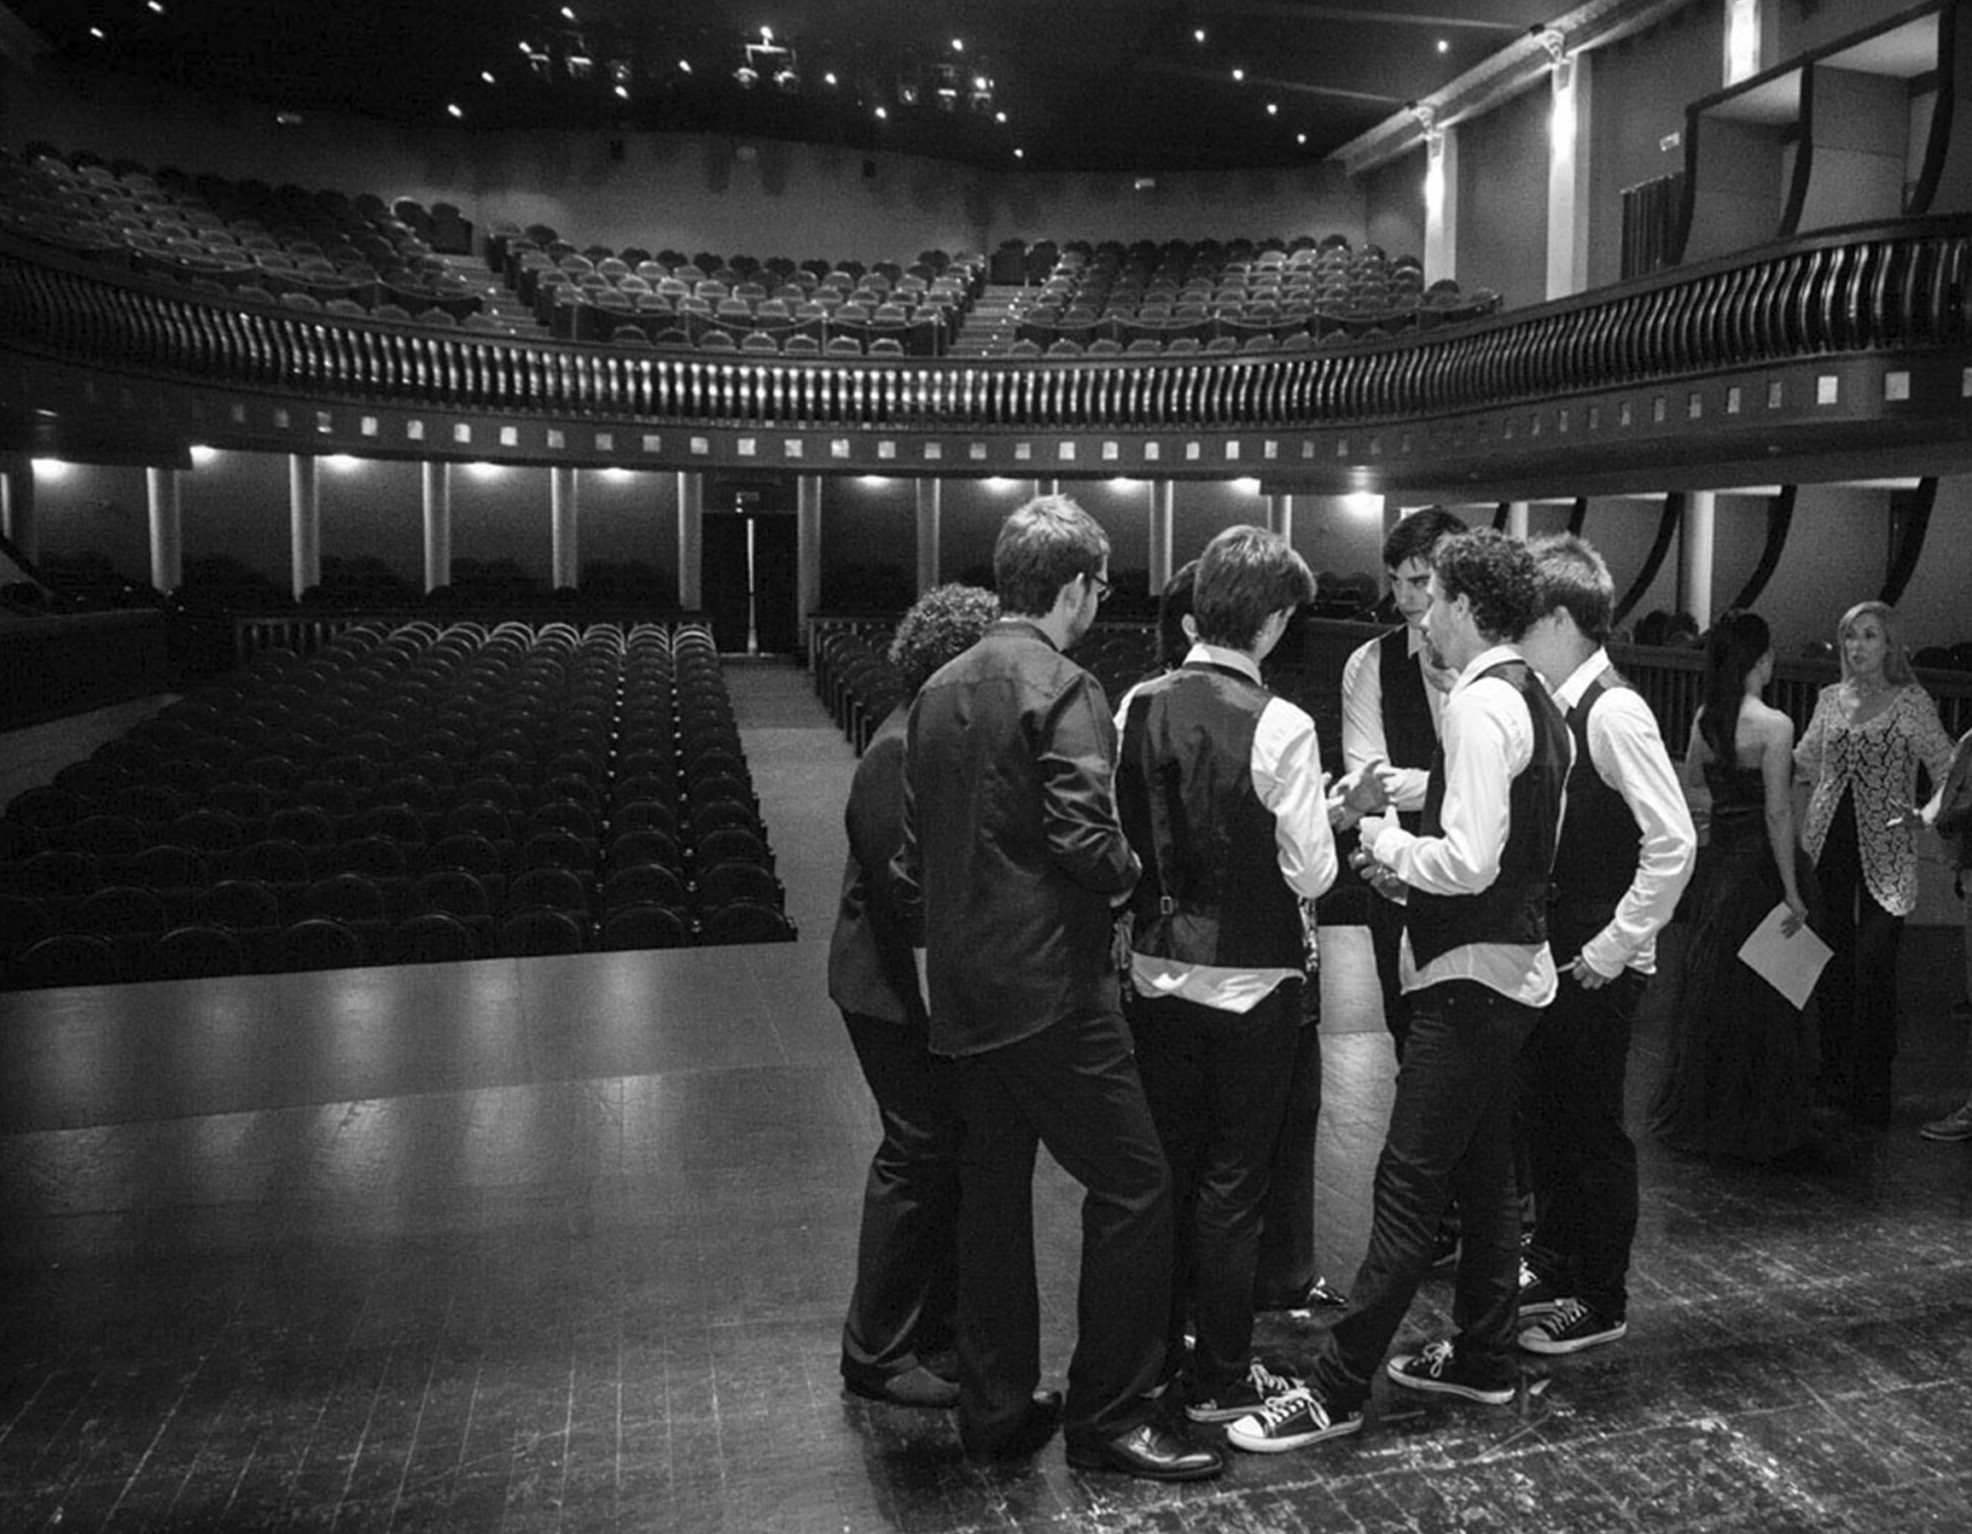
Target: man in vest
(1220,787)
(1013,849)
(1627,848)
(1392,700)
(1476,971)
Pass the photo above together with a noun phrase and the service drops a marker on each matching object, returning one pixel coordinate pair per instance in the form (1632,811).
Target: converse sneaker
(1956,1125)
(1439,1368)
(1292,1421)
(1537,1296)
(1249,1393)
(1570,1327)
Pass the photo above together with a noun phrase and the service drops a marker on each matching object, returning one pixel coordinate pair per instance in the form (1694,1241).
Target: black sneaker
(1570,1327)
(1438,1368)
(1292,1421)
(1249,1393)
(1537,1296)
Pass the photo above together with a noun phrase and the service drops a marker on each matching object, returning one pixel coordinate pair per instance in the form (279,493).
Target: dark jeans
(1217,1084)
(1386,937)
(1451,1135)
(1859,988)
(1072,1087)
(1287,1219)
(1582,1160)
(907,1257)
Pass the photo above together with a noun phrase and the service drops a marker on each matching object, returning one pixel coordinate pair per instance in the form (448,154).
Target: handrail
(1899,286)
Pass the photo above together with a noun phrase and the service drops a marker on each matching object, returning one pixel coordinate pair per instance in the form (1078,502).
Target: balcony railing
(1900,287)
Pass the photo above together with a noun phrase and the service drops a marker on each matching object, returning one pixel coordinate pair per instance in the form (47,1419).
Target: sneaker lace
(1281,1407)
(1565,1315)
(1266,1383)
(1436,1356)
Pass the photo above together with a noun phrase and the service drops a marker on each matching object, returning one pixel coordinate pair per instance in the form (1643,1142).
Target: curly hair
(942,624)
(1498,574)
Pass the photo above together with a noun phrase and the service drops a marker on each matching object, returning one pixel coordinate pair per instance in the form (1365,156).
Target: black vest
(1408,733)
(1595,862)
(1211,891)
(1513,909)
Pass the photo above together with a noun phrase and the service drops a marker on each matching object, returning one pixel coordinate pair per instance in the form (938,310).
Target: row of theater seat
(239,238)
(554,767)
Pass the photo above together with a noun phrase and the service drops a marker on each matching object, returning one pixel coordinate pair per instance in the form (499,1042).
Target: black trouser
(1583,1163)
(907,1257)
(1859,988)
(1386,938)
(1451,1135)
(1072,1087)
(1217,1084)
(1287,1219)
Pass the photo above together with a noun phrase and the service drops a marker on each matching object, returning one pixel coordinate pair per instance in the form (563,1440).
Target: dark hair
(943,623)
(1497,573)
(1574,578)
(1245,575)
(1733,647)
(1418,534)
(1173,607)
(1041,548)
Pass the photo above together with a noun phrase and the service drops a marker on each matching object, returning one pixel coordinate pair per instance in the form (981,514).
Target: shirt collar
(1483,660)
(1569,693)
(1218,655)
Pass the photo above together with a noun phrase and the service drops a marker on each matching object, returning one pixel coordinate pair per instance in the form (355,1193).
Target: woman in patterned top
(1869,734)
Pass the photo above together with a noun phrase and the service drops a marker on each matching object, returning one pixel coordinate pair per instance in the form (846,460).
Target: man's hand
(1587,978)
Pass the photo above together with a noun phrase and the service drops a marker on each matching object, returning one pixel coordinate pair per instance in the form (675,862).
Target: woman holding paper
(1739,1080)
(1870,733)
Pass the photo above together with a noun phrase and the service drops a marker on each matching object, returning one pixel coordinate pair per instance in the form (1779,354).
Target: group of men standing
(1041,853)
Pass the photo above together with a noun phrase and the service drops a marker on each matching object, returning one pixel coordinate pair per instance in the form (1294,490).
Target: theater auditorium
(462,466)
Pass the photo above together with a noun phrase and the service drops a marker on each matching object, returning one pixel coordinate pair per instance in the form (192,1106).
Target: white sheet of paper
(1791,965)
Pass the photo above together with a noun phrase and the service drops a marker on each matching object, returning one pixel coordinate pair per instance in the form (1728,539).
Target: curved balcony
(1859,336)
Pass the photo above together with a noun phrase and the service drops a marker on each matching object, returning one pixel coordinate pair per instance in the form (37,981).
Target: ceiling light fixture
(1239,74)
(1198,34)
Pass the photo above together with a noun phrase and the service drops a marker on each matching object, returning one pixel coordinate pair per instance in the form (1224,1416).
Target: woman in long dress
(1739,1081)
(1870,733)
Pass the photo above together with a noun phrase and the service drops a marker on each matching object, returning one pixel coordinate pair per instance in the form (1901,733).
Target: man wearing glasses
(1015,854)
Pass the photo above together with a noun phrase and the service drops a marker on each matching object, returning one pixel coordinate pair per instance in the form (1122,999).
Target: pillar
(438,524)
(691,542)
(808,551)
(565,527)
(163,488)
(1516,519)
(930,512)
(1160,507)
(304,522)
(1282,520)
(1440,205)
(1568,177)
(17,484)
(1695,541)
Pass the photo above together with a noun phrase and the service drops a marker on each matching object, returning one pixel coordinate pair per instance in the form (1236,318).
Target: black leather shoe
(1026,1437)
(916,1386)
(1152,1452)
(1319,1295)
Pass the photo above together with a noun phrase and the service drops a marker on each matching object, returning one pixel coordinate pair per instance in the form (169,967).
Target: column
(1161,493)
(163,487)
(1568,178)
(437,477)
(565,524)
(1695,540)
(1516,519)
(931,503)
(1440,204)
(17,482)
(808,551)
(304,523)
(691,544)
(1282,520)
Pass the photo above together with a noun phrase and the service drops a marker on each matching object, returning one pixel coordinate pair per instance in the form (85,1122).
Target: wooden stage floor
(564,1244)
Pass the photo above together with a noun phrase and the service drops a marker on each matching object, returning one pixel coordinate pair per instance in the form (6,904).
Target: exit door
(751,581)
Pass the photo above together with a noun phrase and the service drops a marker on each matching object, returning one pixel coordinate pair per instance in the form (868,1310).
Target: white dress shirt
(1363,737)
(1488,739)
(1287,779)
(1627,751)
